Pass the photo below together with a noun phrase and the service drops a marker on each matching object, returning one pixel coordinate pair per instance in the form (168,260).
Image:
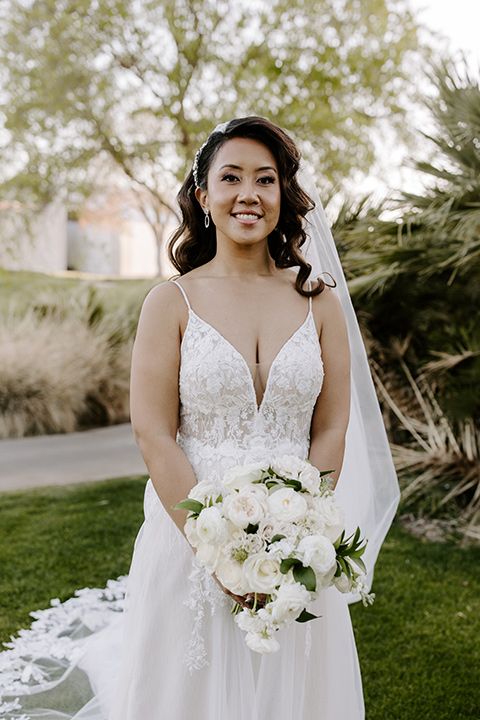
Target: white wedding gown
(182,656)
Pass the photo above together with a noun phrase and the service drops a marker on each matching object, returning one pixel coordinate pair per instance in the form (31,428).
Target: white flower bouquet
(275,533)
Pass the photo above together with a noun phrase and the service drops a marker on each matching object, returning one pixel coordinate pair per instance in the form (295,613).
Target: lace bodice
(221,422)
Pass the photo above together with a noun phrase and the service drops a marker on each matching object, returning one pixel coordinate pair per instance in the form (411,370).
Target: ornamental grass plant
(65,360)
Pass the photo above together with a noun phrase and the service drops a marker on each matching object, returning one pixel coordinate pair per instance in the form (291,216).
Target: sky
(458,20)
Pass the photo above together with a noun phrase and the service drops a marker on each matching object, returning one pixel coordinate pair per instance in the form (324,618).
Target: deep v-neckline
(258,406)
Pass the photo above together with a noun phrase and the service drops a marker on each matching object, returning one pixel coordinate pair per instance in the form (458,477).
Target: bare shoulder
(327,310)
(163,305)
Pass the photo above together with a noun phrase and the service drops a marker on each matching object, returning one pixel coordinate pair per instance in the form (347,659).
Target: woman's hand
(245,601)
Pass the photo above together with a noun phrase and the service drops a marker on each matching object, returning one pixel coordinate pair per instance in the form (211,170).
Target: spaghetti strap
(183,293)
(310,298)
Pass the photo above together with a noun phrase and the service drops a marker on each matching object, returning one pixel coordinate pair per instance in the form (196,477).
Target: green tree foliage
(416,279)
(418,276)
(137,84)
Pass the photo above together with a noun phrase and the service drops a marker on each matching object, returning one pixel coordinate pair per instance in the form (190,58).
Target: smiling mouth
(246,217)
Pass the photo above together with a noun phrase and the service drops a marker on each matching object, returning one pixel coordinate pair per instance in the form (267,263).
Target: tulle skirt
(175,653)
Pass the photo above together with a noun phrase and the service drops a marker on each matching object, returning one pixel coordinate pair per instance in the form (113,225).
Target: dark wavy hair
(193,245)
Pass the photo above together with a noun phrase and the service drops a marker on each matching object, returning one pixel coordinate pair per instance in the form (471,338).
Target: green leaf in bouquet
(324,473)
(219,498)
(294,484)
(305,616)
(345,567)
(360,564)
(276,538)
(339,541)
(357,553)
(305,576)
(271,483)
(188,504)
(287,563)
(250,529)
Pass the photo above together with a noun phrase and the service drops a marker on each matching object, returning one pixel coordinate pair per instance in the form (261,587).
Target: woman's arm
(331,414)
(154,401)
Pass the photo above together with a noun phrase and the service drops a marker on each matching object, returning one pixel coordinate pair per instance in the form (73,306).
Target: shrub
(65,364)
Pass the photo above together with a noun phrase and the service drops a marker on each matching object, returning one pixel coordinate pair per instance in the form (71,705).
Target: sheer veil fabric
(175,653)
(367,488)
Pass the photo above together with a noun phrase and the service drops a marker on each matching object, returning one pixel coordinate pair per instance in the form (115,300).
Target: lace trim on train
(40,657)
(203,590)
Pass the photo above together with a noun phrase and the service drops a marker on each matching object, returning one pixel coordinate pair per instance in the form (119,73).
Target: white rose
(288,466)
(236,477)
(343,583)
(203,491)
(261,572)
(262,643)
(310,478)
(230,574)
(290,600)
(243,510)
(211,526)
(287,505)
(207,556)
(191,531)
(333,517)
(317,552)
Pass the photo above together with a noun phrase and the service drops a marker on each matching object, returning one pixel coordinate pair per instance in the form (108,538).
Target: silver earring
(207,218)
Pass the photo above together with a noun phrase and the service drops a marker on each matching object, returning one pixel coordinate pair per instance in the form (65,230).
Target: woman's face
(243,192)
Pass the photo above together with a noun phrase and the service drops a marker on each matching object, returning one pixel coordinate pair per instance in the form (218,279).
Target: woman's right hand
(245,601)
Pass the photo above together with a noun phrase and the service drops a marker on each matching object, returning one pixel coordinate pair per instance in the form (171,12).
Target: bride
(245,357)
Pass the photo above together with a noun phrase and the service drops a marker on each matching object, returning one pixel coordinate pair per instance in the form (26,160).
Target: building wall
(33,240)
(126,250)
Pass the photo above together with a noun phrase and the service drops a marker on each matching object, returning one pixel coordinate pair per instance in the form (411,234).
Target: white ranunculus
(287,505)
(262,573)
(325,581)
(317,552)
(343,583)
(259,491)
(262,643)
(289,466)
(236,477)
(191,531)
(204,490)
(211,526)
(250,621)
(243,510)
(332,515)
(310,478)
(291,599)
(207,556)
(230,574)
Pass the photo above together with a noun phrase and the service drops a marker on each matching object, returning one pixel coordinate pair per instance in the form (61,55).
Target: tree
(416,278)
(138,84)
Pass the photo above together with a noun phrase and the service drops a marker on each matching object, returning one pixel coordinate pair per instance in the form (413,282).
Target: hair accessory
(219,129)
(207,218)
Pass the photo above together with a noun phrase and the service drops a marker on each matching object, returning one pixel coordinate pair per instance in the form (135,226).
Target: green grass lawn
(419,644)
